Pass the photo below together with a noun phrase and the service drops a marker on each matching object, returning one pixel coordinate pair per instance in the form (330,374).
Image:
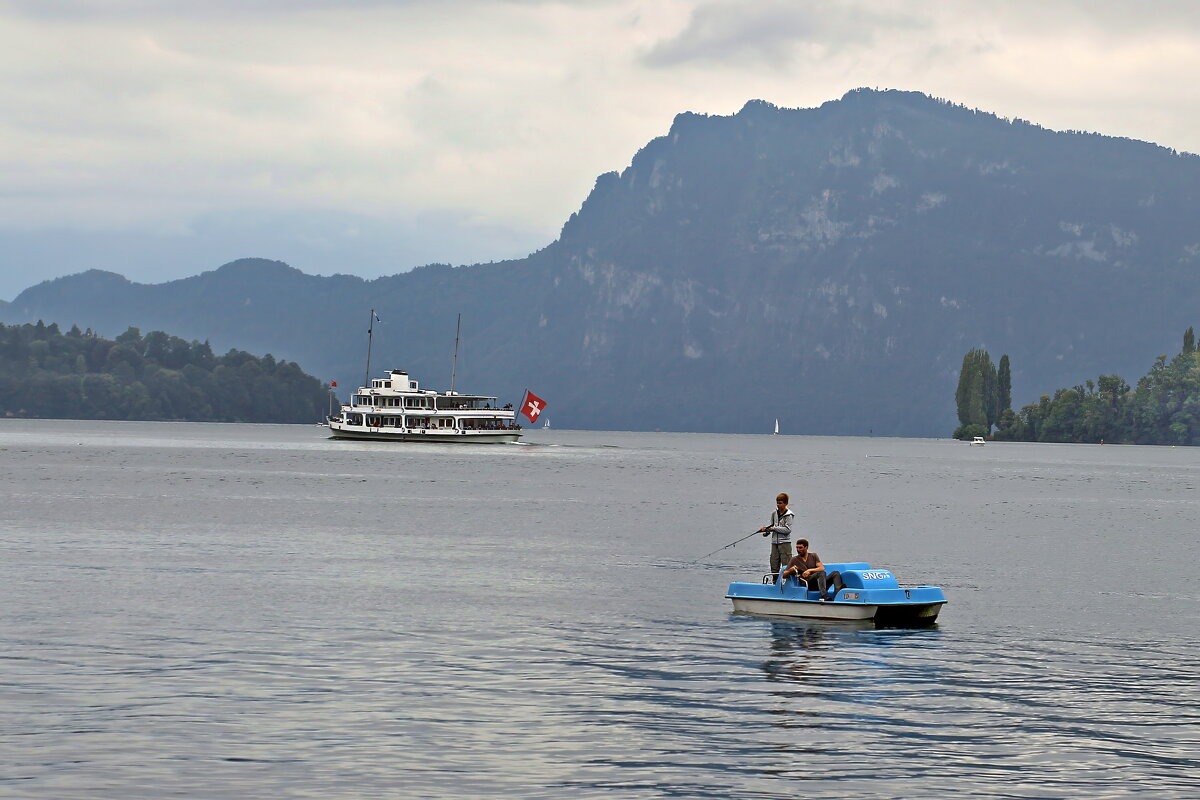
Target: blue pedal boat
(869,594)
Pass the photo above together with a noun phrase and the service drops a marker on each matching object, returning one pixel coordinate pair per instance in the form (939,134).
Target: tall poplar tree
(1004,385)
(976,395)
(987,373)
(965,390)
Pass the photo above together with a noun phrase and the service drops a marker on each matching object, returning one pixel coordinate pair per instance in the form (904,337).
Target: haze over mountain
(828,267)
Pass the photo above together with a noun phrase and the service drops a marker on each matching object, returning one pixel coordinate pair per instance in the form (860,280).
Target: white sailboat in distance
(776,427)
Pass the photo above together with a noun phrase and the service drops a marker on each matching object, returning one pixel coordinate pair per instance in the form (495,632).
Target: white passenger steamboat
(396,408)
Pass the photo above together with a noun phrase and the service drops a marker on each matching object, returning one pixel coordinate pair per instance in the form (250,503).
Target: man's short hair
(782,496)
(802,541)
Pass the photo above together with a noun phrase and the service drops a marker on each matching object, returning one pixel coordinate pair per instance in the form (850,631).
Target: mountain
(826,266)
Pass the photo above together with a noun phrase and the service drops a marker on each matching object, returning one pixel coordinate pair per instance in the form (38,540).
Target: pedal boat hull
(869,594)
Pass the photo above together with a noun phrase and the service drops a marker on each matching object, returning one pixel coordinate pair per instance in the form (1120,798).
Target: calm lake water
(257,611)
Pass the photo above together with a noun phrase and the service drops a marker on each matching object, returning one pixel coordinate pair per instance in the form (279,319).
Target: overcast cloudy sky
(161,139)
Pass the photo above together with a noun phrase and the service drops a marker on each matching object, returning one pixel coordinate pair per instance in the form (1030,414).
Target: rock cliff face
(826,266)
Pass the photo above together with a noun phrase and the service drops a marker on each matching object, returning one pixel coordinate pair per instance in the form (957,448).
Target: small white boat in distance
(776,428)
(547,425)
(978,440)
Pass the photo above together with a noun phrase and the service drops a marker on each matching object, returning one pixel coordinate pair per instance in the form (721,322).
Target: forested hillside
(78,375)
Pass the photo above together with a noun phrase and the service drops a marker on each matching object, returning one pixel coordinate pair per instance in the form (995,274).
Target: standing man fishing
(780,531)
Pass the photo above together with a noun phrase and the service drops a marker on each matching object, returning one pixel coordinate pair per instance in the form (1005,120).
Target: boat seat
(849,579)
(842,567)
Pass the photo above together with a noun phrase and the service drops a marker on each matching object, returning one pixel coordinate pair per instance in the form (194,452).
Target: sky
(161,139)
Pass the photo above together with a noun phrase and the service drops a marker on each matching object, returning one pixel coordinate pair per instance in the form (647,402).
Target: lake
(258,611)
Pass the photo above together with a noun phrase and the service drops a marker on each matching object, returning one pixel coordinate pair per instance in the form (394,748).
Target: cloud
(775,31)
(466,119)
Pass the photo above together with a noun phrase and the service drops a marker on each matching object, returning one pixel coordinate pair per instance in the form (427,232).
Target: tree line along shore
(1164,407)
(46,373)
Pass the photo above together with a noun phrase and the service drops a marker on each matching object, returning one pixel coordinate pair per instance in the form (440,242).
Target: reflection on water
(790,649)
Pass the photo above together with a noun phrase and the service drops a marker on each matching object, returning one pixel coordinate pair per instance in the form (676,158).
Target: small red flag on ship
(333,383)
(533,406)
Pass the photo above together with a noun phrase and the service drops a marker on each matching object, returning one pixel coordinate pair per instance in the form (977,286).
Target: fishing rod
(719,549)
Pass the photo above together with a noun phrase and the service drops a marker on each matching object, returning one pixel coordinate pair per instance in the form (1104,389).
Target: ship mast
(454,363)
(370,334)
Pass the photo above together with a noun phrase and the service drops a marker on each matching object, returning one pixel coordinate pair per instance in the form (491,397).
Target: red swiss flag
(333,383)
(533,406)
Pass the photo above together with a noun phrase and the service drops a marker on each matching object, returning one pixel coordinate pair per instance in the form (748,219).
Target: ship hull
(339,431)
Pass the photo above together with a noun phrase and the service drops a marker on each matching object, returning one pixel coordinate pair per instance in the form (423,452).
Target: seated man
(807,567)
